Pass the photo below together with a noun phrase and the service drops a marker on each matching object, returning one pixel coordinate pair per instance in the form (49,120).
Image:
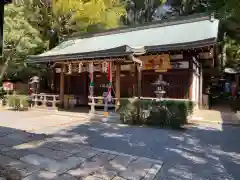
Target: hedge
(17,102)
(173,112)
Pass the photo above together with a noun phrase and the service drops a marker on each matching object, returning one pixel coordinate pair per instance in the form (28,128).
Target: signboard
(176,56)
(8,86)
(159,63)
(180,65)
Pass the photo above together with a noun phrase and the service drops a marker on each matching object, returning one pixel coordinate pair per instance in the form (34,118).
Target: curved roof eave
(195,33)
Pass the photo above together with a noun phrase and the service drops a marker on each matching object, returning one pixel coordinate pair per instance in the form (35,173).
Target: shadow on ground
(199,153)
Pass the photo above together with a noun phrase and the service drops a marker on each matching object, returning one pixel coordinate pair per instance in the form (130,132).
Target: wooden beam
(62,85)
(118,79)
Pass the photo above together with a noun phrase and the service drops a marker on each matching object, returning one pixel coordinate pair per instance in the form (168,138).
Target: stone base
(111,118)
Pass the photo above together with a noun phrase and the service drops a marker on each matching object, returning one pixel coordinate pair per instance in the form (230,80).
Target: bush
(17,102)
(235,104)
(173,112)
(128,111)
(2,93)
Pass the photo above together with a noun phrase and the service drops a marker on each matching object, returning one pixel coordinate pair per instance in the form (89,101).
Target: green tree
(31,24)
(74,16)
(20,39)
(228,14)
(57,19)
(141,11)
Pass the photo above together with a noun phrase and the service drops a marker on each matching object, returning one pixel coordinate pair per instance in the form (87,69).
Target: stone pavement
(38,157)
(215,116)
(209,152)
(33,121)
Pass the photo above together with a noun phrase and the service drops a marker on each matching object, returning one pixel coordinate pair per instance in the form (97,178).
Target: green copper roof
(134,40)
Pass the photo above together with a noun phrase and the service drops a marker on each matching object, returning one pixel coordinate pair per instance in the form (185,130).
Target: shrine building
(129,60)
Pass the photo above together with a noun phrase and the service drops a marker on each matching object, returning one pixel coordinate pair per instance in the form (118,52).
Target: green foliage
(76,16)
(30,26)
(141,11)
(128,110)
(17,102)
(21,39)
(2,92)
(173,113)
(232,50)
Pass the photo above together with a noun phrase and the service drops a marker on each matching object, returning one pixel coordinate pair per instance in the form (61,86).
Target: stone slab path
(224,117)
(38,158)
(75,148)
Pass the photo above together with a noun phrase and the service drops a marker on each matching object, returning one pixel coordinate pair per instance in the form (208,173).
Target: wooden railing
(45,100)
(100,102)
(165,99)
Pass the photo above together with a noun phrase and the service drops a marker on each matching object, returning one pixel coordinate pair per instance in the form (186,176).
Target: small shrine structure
(123,63)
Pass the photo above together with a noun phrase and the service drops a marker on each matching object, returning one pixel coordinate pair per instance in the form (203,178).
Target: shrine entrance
(95,84)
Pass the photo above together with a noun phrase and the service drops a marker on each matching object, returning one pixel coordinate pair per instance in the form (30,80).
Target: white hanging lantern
(105,67)
(80,67)
(70,68)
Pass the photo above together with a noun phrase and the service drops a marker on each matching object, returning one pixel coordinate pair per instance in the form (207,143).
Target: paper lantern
(70,68)
(105,67)
(80,68)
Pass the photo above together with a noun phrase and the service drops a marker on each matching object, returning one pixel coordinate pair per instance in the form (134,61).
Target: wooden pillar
(53,81)
(135,92)
(62,86)
(91,87)
(118,79)
(201,86)
(139,91)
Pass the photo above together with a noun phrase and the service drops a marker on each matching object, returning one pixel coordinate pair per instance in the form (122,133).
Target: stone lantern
(160,87)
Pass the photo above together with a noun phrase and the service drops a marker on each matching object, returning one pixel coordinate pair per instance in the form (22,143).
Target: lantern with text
(105,67)
(80,68)
(70,68)
(7,86)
